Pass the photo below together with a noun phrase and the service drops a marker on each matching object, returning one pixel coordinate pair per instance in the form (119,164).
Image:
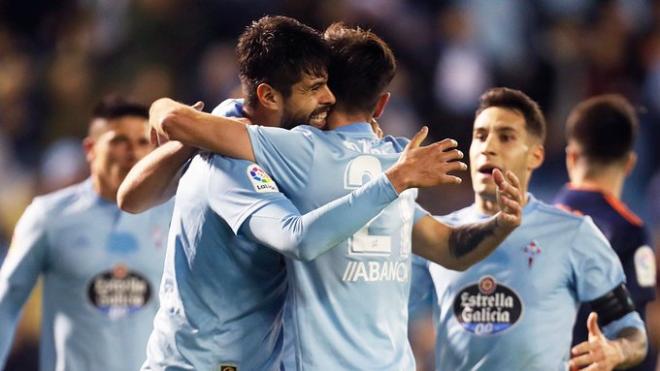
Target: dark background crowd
(58,58)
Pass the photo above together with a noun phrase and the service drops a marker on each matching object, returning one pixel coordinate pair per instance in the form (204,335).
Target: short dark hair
(113,107)
(361,66)
(516,100)
(277,50)
(605,127)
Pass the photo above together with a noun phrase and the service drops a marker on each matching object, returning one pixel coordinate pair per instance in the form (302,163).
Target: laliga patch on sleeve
(261,181)
(645,266)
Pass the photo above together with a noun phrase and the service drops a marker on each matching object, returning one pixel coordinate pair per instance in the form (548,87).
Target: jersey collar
(361,128)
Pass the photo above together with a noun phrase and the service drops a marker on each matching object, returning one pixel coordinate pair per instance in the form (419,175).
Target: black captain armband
(613,305)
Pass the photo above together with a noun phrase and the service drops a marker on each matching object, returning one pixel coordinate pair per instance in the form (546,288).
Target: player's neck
(487,204)
(608,180)
(339,118)
(260,116)
(104,188)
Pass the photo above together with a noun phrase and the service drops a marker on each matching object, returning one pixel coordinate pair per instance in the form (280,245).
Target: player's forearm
(471,243)
(632,344)
(456,248)
(153,180)
(305,237)
(218,134)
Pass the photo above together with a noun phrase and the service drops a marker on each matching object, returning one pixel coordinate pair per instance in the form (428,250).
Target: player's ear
(572,156)
(380,104)
(631,161)
(88,147)
(536,156)
(268,96)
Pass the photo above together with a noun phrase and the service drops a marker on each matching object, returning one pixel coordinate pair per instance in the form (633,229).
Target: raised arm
(154,179)
(460,247)
(280,226)
(176,121)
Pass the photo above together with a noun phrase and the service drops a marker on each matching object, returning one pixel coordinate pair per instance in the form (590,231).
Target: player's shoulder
(229,108)
(399,143)
(555,212)
(65,198)
(308,130)
(462,216)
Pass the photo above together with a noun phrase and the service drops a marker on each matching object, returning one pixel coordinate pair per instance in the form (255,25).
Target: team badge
(487,307)
(261,181)
(531,250)
(228,367)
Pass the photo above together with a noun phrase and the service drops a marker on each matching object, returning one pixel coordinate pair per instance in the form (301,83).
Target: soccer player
(348,307)
(601,133)
(232,320)
(100,266)
(515,309)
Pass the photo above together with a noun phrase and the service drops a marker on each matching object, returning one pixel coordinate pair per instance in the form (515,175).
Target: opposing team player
(349,305)
(601,133)
(233,319)
(100,266)
(515,309)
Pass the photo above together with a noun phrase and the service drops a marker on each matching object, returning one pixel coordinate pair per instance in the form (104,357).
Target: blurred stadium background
(57,58)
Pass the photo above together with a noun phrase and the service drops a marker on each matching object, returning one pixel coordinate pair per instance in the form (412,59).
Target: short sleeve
(288,155)
(420,212)
(596,267)
(630,320)
(238,188)
(27,252)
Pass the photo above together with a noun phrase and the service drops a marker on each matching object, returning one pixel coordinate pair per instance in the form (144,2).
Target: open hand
(426,166)
(598,352)
(509,199)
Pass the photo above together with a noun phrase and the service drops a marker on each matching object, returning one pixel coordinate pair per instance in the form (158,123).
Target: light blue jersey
(348,307)
(515,310)
(101,268)
(222,294)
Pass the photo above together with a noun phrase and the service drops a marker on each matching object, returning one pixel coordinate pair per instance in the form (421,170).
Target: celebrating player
(515,309)
(601,133)
(101,266)
(348,306)
(218,197)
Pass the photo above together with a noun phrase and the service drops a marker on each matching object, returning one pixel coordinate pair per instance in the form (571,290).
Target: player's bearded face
(118,148)
(309,102)
(499,140)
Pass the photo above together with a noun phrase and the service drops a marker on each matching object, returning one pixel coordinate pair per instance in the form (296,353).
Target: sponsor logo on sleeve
(487,308)
(645,266)
(261,181)
(118,292)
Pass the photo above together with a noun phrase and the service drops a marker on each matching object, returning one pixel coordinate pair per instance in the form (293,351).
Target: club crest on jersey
(261,181)
(531,250)
(228,367)
(487,308)
(118,292)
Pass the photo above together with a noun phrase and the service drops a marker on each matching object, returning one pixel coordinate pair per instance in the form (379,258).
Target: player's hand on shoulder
(426,166)
(509,198)
(598,352)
